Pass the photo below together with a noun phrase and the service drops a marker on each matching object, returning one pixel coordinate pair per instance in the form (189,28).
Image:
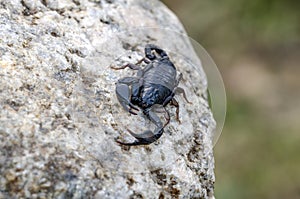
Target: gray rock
(59,115)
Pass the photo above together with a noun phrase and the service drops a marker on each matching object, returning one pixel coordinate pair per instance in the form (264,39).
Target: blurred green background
(256,45)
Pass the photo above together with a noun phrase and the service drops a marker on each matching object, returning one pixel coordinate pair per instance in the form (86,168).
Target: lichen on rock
(59,115)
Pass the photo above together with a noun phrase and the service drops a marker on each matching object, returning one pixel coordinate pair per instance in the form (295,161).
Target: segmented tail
(150,47)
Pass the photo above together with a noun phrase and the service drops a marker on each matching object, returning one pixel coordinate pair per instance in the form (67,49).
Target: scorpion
(154,86)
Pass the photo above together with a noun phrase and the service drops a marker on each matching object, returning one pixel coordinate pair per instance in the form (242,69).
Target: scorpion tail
(150,47)
(145,138)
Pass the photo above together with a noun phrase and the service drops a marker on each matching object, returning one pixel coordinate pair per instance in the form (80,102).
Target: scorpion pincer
(154,86)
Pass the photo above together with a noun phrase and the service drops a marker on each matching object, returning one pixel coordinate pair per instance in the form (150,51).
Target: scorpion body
(155,85)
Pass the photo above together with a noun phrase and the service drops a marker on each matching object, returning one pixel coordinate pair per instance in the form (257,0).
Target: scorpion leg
(129,65)
(167,116)
(123,93)
(147,137)
(179,79)
(179,90)
(175,103)
(136,67)
(168,99)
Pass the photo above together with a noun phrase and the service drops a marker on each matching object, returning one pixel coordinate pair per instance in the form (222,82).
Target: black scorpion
(154,86)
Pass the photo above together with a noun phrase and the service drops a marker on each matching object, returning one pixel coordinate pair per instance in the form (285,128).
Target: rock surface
(59,115)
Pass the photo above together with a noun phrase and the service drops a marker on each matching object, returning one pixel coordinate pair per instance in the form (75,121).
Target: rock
(59,115)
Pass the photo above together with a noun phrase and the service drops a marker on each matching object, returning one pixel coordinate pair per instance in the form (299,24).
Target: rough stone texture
(58,111)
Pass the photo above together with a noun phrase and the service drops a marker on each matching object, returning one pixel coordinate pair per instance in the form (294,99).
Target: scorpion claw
(133,107)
